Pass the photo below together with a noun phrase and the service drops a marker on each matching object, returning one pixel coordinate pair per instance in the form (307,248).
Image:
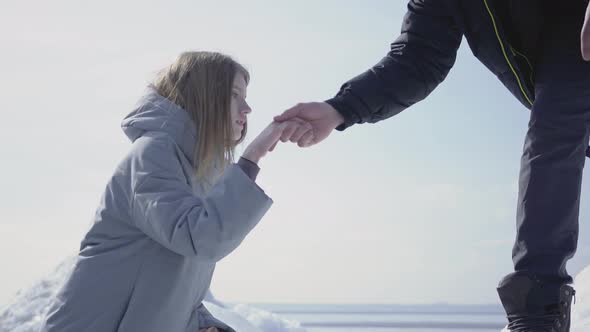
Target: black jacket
(502,34)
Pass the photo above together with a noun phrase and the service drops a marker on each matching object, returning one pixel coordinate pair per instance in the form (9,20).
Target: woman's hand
(270,136)
(211,329)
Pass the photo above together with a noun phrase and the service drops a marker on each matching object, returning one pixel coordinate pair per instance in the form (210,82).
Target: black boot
(535,306)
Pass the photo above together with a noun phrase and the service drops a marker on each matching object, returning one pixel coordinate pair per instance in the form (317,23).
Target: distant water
(392,318)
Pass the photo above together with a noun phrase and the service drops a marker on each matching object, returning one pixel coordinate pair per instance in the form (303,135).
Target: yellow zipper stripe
(515,52)
(506,55)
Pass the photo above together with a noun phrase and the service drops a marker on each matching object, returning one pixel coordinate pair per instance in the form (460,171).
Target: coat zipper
(505,54)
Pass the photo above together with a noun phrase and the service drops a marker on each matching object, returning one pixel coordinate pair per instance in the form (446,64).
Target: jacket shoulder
(153,154)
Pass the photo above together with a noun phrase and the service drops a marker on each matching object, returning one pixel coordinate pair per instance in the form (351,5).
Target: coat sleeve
(206,320)
(164,206)
(419,59)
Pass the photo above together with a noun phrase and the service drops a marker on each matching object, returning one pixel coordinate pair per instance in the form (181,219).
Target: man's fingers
(303,128)
(306,140)
(291,127)
(288,114)
(295,128)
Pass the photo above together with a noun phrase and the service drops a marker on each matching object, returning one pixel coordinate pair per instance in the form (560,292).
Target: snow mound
(26,311)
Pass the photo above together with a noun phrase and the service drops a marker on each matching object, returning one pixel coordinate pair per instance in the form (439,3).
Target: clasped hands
(305,124)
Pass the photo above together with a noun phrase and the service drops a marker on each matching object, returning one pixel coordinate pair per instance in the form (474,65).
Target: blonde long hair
(201,83)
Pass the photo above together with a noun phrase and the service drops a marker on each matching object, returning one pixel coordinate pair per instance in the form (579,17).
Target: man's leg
(550,177)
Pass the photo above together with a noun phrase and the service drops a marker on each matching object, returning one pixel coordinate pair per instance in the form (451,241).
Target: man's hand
(585,36)
(322,117)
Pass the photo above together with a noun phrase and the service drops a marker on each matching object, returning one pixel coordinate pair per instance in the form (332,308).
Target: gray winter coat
(147,261)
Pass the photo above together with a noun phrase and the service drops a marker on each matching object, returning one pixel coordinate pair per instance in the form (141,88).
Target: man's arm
(418,61)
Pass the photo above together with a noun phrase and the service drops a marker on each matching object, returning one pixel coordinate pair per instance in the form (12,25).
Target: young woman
(175,206)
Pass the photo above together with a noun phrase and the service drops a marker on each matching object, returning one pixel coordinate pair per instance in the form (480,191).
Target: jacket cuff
(249,167)
(345,107)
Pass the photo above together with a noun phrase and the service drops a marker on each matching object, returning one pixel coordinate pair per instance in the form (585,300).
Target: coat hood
(154,113)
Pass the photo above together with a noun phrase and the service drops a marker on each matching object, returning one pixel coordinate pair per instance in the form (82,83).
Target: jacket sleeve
(164,206)
(418,61)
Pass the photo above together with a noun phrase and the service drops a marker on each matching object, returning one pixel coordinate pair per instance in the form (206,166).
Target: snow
(27,309)
(581,308)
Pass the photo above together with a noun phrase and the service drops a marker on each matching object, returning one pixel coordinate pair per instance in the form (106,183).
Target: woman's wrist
(250,156)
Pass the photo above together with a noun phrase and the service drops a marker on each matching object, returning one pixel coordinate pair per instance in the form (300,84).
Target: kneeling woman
(175,206)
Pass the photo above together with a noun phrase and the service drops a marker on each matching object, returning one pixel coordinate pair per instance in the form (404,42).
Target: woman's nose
(245,108)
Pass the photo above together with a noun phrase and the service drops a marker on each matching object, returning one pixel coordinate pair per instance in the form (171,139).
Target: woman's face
(239,107)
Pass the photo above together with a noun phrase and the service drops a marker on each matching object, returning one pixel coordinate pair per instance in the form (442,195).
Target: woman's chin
(238,135)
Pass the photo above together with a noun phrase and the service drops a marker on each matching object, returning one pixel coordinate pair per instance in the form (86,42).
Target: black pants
(554,150)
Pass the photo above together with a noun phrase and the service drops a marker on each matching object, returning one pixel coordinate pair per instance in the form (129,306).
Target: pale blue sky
(415,209)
